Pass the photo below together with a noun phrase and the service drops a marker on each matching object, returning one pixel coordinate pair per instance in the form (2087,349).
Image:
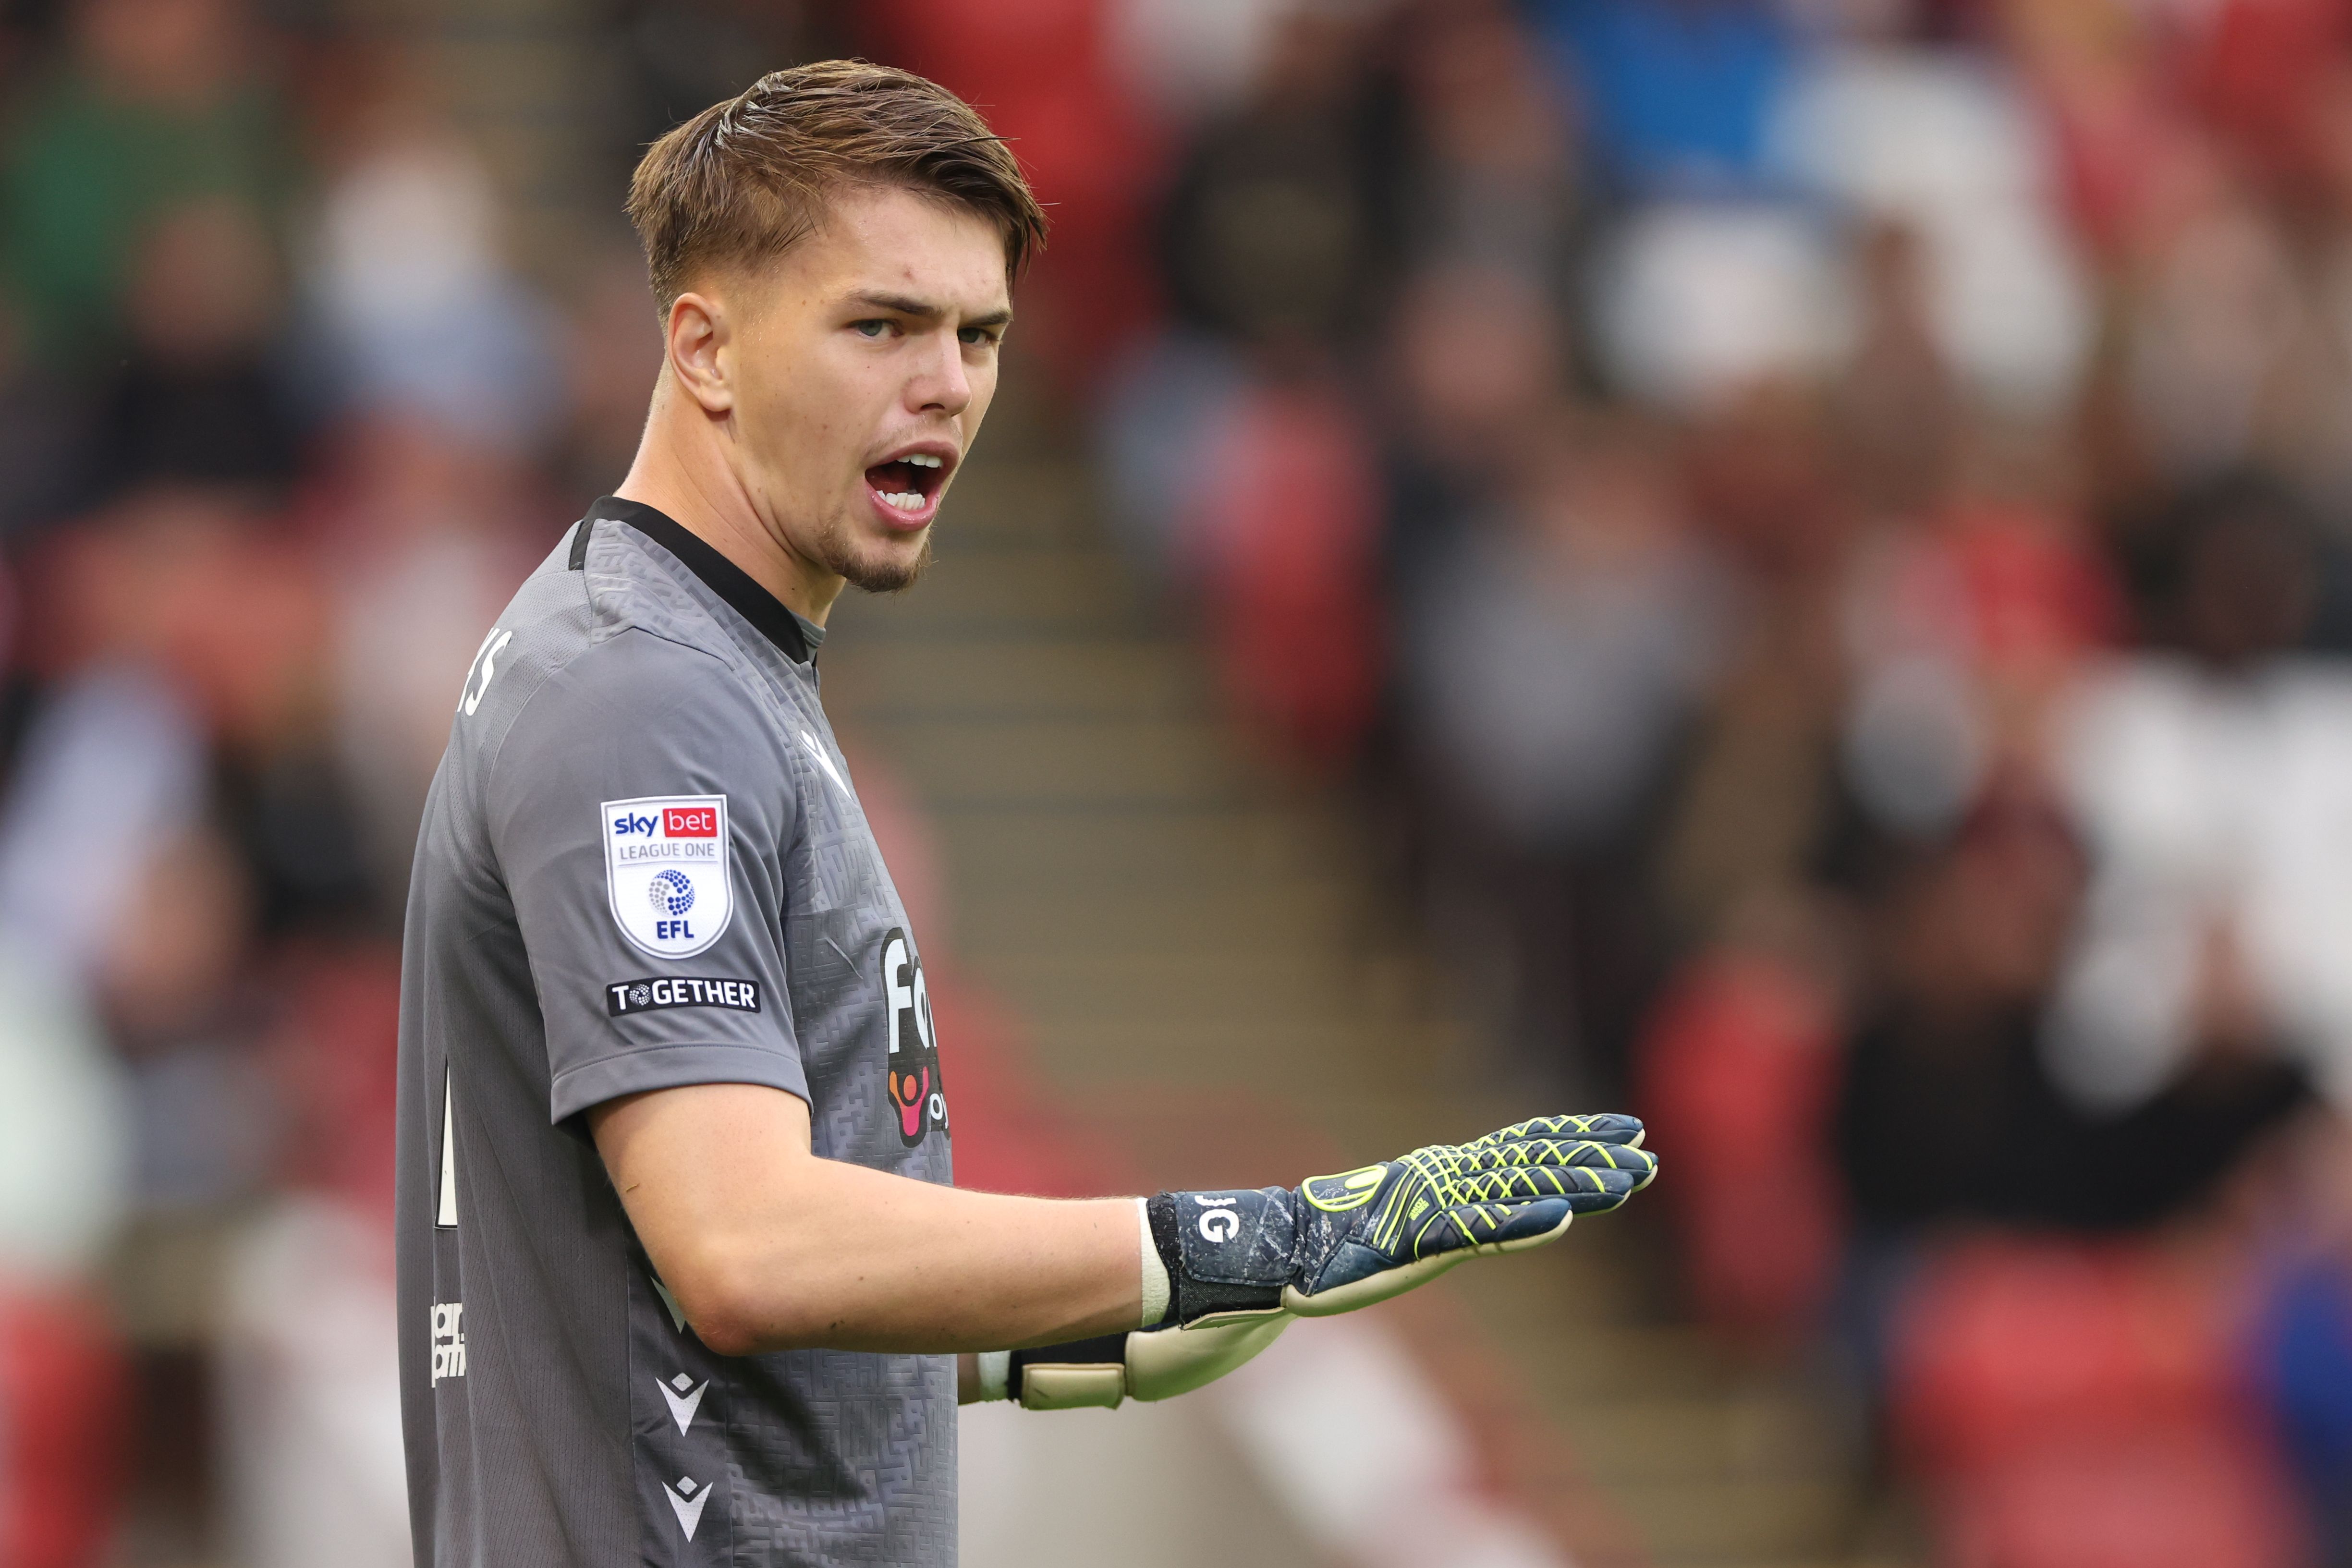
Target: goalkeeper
(684,1278)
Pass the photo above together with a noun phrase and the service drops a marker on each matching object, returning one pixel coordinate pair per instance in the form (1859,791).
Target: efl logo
(665,871)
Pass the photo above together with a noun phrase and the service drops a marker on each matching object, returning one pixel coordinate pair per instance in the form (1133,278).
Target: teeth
(922,460)
(905,500)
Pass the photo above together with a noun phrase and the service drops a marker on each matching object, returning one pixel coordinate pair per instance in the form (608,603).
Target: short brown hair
(745,180)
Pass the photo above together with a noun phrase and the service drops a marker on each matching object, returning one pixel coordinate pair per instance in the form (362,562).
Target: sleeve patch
(666,872)
(622,997)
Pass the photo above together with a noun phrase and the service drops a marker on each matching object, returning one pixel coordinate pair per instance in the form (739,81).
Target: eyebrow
(924,310)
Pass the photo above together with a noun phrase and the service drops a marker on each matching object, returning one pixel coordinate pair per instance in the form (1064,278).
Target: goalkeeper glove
(1241,1265)
(1335,1243)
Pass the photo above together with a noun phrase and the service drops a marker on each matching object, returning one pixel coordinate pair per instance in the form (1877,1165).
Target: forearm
(877,1262)
(768,1247)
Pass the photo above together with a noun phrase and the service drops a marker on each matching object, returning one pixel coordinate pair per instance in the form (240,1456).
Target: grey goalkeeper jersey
(642,865)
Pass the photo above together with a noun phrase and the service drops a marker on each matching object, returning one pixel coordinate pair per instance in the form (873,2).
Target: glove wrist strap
(1190,1296)
(1079,1372)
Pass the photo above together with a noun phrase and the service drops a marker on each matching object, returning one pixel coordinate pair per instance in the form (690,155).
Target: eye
(873,327)
(973,337)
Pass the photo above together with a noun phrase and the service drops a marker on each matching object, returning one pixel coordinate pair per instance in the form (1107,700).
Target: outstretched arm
(767,1246)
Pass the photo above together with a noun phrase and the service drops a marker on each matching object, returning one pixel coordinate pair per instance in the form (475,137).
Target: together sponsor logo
(655,992)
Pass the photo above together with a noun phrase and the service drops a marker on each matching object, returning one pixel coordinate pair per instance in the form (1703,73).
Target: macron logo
(808,743)
(684,1397)
(690,1514)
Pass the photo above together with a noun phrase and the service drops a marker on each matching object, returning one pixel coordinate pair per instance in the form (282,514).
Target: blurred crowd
(1819,530)
(1822,529)
(283,419)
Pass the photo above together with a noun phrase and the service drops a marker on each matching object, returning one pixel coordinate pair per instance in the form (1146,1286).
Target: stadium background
(1788,565)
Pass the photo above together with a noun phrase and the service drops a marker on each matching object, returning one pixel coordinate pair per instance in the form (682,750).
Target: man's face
(863,363)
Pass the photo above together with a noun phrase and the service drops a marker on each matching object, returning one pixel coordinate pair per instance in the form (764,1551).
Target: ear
(697,340)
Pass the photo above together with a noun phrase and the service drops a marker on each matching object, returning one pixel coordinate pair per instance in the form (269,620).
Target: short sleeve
(638,808)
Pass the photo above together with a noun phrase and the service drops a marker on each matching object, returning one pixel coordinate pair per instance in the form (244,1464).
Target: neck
(681,470)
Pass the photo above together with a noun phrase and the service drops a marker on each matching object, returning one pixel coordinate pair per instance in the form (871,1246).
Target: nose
(941,384)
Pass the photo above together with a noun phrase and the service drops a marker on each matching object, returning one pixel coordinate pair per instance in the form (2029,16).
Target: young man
(682,1276)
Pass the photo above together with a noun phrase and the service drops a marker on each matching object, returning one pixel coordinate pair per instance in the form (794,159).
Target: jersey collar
(762,609)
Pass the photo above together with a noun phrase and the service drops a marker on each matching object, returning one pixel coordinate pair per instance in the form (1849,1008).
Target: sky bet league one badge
(917,1100)
(665,871)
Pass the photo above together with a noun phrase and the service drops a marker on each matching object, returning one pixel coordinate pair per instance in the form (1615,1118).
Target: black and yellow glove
(1335,1243)
(1242,1265)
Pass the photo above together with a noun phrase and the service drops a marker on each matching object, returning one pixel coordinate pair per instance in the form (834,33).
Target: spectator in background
(1267,251)
(409,296)
(1474,363)
(1485,162)
(423,527)
(2212,778)
(143,172)
(1757,798)
(1897,404)
(1949,1112)
(161,103)
(201,396)
(1271,234)
(1554,666)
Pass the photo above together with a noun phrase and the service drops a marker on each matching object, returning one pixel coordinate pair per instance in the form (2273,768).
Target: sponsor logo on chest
(665,871)
(919,1102)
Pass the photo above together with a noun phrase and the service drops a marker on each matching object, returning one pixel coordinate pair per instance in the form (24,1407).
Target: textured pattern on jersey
(570,1439)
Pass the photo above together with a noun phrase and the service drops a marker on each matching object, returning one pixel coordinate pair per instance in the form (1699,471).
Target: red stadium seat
(1735,1075)
(2074,1405)
(1284,541)
(64,1410)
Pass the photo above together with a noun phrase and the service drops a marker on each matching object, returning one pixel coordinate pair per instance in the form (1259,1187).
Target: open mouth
(905,489)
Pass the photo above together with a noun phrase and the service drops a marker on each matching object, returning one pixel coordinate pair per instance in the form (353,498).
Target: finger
(1600,1127)
(1610,1188)
(1542,1153)
(1588,1190)
(1510,1173)
(1582,1188)
(1493,1225)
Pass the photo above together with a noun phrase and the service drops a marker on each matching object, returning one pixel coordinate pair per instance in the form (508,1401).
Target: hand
(1336,1243)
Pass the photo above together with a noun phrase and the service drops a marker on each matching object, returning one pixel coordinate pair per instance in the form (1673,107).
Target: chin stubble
(884,576)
